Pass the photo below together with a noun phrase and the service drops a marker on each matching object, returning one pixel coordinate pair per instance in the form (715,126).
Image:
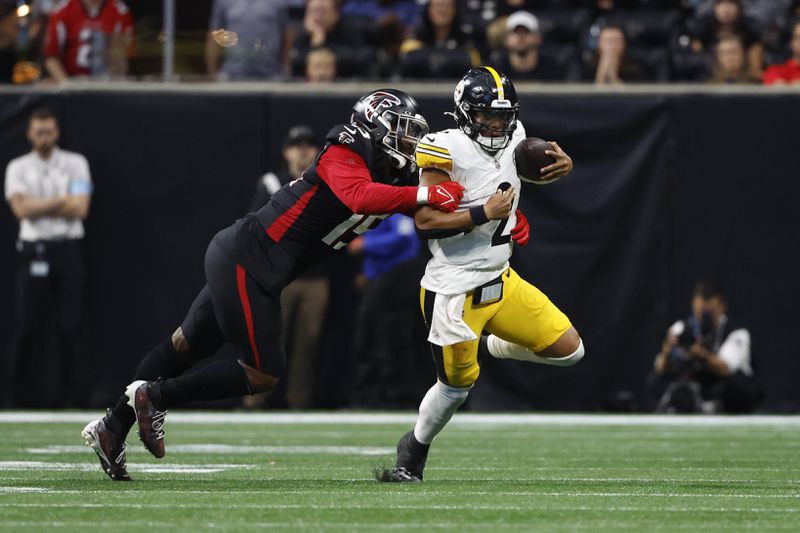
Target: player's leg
(248,317)
(457,370)
(529,327)
(198,337)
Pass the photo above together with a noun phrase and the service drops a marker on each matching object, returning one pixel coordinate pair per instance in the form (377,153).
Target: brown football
(529,157)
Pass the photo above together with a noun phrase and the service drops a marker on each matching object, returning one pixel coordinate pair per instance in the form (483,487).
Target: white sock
(436,409)
(508,350)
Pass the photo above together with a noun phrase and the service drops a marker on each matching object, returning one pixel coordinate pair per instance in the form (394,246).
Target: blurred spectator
(304,302)
(611,64)
(730,64)
(49,191)
(389,308)
(788,72)
(728,20)
(439,48)
(704,363)
(88,37)
(323,26)
(521,58)
(252,36)
(320,66)
(406,11)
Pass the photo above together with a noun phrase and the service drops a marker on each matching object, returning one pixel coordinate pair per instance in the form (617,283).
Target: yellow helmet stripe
(500,93)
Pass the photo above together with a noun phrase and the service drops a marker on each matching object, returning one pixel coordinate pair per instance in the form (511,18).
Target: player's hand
(445,196)
(522,231)
(560,168)
(499,205)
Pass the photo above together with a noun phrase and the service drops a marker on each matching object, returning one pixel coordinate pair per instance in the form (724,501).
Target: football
(529,157)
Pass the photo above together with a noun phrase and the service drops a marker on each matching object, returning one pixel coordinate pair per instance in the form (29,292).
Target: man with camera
(704,362)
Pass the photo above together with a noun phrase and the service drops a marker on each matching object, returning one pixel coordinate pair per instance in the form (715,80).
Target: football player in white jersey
(468,286)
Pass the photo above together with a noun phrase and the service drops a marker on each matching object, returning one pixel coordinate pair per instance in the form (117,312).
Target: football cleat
(110,449)
(411,457)
(397,474)
(150,419)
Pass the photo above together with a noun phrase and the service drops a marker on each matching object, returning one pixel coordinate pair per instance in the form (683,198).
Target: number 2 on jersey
(497,237)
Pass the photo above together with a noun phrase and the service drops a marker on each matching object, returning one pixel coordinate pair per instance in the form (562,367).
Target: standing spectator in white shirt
(49,191)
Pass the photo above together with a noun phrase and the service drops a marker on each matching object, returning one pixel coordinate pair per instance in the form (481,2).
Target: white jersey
(468,260)
(64,173)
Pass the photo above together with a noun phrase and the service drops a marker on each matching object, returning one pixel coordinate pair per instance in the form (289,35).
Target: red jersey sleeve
(346,174)
(55,35)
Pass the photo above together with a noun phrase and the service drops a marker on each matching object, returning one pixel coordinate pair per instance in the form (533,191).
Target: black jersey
(338,198)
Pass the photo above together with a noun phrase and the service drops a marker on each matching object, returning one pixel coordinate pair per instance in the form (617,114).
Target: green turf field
(241,472)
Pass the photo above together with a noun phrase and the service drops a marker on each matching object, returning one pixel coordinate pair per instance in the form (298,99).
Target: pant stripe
(241,280)
(428,299)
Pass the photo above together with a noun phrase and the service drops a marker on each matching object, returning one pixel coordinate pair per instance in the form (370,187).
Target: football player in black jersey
(365,172)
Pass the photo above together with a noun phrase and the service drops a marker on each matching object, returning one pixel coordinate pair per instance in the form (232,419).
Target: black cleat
(397,474)
(150,419)
(110,449)
(411,457)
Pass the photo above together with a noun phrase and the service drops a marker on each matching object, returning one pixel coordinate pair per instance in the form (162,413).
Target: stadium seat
(691,66)
(563,26)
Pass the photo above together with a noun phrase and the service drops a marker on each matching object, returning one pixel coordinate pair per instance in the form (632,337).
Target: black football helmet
(489,92)
(395,124)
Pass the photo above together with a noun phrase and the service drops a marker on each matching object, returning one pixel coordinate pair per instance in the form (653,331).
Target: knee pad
(460,365)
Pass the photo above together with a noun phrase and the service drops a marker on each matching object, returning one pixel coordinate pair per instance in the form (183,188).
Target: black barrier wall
(667,188)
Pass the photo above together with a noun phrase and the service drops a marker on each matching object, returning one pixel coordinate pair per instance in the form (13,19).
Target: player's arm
(434,224)
(348,177)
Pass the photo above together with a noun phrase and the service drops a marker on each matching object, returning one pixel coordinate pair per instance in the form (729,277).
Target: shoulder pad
(433,153)
(353,137)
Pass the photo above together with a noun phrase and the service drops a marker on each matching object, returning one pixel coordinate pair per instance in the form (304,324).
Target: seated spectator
(88,37)
(611,65)
(704,362)
(788,72)
(251,37)
(730,64)
(320,66)
(521,58)
(323,26)
(439,48)
(728,20)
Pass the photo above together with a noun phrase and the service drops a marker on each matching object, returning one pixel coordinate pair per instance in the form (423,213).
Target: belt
(42,246)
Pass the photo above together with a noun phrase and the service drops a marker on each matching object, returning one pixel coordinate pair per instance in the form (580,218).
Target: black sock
(215,381)
(162,362)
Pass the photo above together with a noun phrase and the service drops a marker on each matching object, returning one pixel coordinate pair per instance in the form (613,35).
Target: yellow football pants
(524,316)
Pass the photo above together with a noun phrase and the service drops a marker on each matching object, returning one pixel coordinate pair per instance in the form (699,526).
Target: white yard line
(232,449)
(91,467)
(462,419)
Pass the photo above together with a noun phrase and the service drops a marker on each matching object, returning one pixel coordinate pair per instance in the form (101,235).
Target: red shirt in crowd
(74,32)
(789,72)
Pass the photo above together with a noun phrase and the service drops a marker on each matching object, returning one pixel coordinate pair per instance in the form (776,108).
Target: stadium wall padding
(667,188)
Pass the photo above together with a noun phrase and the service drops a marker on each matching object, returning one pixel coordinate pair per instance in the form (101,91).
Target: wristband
(422,195)
(478,215)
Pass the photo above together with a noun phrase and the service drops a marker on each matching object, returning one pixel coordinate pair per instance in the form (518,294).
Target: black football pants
(233,307)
